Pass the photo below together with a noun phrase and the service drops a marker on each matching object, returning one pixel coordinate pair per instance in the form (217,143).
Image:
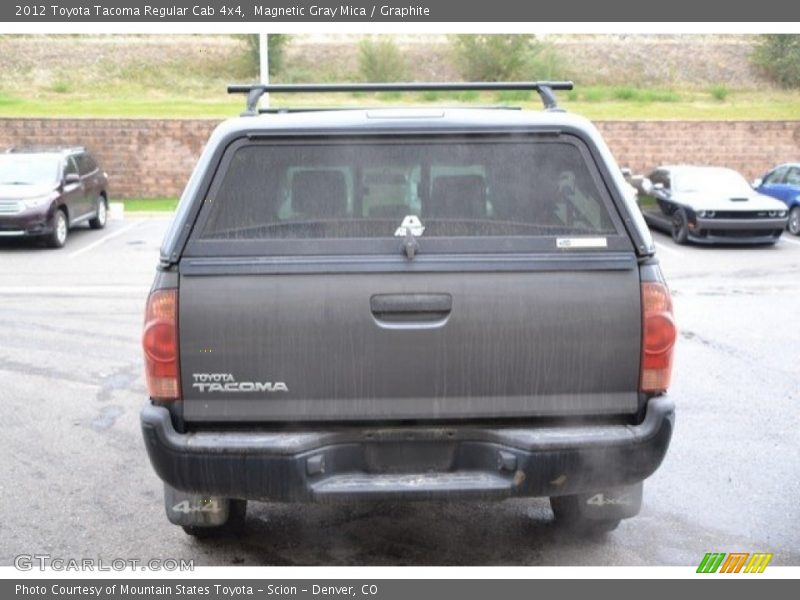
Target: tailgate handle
(411,303)
(409,308)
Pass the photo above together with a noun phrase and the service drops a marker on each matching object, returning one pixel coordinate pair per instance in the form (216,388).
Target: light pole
(263,64)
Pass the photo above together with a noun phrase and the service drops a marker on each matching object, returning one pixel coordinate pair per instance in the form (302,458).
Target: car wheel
(568,516)
(794,221)
(101,214)
(232,527)
(680,230)
(58,237)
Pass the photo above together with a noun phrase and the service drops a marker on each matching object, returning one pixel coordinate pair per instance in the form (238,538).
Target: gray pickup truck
(413,303)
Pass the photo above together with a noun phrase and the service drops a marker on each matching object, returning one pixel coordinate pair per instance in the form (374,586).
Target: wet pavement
(75,480)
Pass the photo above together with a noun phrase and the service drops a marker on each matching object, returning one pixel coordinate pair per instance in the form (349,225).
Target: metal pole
(263,63)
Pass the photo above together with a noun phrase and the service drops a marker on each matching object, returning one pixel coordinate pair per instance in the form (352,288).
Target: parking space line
(790,241)
(72,290)
(104,239)
(668,250)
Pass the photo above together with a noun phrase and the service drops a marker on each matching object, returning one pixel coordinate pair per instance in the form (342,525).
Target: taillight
(160,343)
(658,337)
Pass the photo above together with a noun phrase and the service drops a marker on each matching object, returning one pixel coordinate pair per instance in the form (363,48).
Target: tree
(493,57)
(778,56)
(381,60)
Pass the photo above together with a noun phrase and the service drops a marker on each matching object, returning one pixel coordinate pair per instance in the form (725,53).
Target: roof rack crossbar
(306,109)
(255,91)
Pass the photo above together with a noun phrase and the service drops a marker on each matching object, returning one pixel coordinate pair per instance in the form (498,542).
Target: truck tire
(566,510)
(234,526)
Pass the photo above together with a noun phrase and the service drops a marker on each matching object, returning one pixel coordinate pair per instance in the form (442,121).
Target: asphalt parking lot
(75,481)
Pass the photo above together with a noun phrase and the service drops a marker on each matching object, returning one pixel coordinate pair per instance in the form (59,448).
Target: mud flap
(195,510)
(613,503)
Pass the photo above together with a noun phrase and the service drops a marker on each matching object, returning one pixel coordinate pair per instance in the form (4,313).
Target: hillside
(618,76)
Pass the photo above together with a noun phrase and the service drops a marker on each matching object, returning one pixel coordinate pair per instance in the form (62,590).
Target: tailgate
(408,277)
(410,346)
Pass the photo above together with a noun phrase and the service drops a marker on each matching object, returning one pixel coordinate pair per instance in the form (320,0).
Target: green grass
(636,95)
(590,94)
(513,96)
(124,107)
(594,102)
(150,204)
(6,101)
(647,201)
(394,97)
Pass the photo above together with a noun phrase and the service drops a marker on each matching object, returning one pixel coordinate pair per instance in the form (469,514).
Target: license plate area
(409,457)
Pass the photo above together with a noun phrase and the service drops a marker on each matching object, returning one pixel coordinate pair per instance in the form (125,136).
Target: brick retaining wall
(143,157)
(154,157)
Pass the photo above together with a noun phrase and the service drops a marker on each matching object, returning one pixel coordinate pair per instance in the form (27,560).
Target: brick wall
(750,147)
(154,157)
(143,157)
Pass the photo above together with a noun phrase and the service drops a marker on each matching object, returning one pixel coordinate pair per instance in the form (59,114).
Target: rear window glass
(458,188)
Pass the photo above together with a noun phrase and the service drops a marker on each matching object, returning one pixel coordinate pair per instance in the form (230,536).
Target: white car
(709,205)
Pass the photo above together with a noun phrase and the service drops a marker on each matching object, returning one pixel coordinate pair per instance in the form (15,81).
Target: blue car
(783,183)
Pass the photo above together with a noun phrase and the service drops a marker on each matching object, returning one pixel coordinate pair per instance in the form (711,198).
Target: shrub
(276,44)
(624,93)
(778,57)
(594,94)
(380,60)
(490,57)
(656,95)
(60,87)
(719,92)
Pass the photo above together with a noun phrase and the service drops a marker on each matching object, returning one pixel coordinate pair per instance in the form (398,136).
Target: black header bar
(433,11)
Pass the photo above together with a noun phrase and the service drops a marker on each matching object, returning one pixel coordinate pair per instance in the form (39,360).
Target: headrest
(320,194)
(457,196)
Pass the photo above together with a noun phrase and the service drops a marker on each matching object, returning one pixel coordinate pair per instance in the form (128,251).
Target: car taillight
(658,337)
(160,343)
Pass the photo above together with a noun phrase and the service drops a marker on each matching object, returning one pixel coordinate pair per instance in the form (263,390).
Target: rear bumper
(414,463)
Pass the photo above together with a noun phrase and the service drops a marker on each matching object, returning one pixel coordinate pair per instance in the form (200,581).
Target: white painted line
(72,290)
(668,250)
(789,240)
(104,239)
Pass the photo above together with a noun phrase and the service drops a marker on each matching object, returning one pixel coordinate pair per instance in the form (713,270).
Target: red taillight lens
(160,343)
(658,337)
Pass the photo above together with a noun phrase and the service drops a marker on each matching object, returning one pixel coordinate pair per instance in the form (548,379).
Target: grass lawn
(150,204)
(602,103)
(123,107)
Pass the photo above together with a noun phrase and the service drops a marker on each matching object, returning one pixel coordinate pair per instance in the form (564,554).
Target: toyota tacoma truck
(403,304)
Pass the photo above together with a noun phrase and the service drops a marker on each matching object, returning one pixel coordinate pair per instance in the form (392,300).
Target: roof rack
(256,90)
(305,109)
